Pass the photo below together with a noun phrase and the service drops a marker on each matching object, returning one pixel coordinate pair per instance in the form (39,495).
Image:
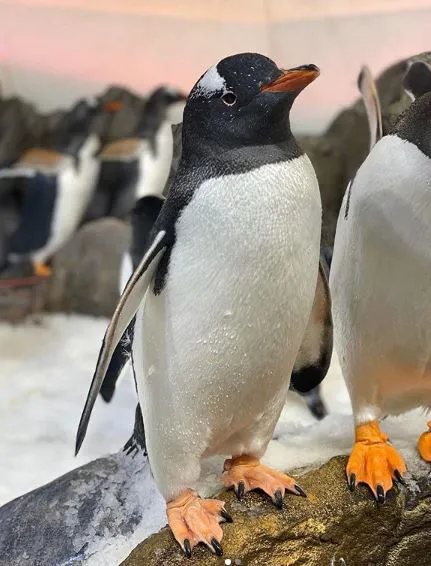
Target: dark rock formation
(86,270)
(331,527)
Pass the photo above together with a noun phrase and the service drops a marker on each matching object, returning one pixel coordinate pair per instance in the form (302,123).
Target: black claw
(225,515)
(217,547)
(299,490)
(240,490)
(399,477)
(187,548)
(380,494)
(352,482)
(278,499)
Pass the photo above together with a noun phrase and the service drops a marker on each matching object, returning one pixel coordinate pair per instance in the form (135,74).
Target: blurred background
(85,129)
(52,52)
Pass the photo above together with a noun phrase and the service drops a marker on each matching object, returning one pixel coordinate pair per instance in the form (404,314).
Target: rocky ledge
(332,527)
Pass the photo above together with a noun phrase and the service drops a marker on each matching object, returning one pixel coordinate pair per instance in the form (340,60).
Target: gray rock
(86,270)
(97,508)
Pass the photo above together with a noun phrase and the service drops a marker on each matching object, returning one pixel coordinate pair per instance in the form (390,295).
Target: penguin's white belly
(74,191)
(220,342)
(381,282)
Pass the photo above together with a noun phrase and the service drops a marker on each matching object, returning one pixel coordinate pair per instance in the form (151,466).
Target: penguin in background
(380,285)
(137,166)
(223,295)
(60,183)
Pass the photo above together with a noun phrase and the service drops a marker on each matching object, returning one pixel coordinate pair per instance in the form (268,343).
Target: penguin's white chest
(220,342)
(74,190)
(381,281)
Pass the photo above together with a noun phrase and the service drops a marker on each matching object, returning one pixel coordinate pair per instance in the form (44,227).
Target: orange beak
(293,80)
(113,106)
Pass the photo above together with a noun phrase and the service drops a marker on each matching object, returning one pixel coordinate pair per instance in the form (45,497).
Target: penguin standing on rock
(224,293)
(60,183)
(381,289)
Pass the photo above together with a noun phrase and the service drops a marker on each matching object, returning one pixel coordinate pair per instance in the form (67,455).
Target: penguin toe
(424,444)
(374,462)
(194,520)
(245,473)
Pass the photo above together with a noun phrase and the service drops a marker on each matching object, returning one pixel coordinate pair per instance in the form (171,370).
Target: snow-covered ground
(45,372)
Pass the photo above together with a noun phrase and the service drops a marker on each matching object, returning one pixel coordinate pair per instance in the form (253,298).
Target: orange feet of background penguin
(23,274)
(374,462)
(424,444)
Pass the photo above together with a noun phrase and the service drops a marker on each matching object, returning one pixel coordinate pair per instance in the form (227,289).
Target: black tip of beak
(310,68)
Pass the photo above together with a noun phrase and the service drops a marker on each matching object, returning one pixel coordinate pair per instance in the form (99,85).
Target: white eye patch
(210,83)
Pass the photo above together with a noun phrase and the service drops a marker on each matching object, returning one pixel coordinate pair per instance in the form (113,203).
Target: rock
(16,304)
(81,514)
(330,526)
(86,270)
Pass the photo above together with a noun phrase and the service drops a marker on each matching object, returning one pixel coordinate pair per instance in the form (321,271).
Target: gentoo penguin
(139,165)
(380,284)
(315,357)
(224,293)
(59,186)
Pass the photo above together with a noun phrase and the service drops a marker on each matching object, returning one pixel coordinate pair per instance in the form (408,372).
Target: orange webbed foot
(424,444)
(194,520)
(374,461)
(244,473)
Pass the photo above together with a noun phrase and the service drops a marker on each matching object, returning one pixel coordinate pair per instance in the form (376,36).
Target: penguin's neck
(245,158)
(272,142)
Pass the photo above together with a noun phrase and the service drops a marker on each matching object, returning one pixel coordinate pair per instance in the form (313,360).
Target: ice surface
(45,372)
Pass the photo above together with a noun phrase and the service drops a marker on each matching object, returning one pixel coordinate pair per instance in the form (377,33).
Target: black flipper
(144,216)
(368,90)
(120,357)
(137,441)
(309,369)
(129,303)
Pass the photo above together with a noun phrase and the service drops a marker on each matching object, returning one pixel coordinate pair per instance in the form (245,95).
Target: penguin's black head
(166,95)
(164,103)
(243,100)
(417,80)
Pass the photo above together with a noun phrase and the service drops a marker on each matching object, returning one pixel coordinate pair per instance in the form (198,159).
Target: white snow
(45,372)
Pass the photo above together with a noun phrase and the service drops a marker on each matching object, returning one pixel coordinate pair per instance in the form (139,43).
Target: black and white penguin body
(139,166)
(60,183)
(380,285)
(224,293)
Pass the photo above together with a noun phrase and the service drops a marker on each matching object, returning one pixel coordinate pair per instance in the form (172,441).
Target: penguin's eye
(229,98)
